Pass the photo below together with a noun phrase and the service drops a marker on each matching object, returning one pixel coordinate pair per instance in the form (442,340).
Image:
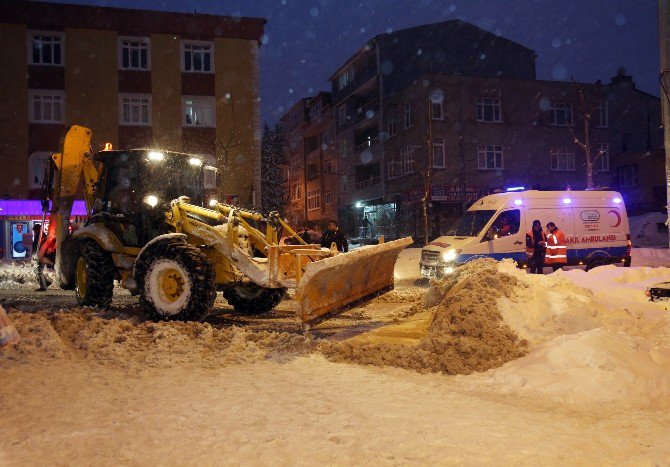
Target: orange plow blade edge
(333,283)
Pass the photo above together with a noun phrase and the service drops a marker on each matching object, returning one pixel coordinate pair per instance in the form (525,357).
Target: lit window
(488,109)
(45,48)
(46,106)
(601,157)
(561,114)
(313,199)
(199,111)
(562,159)
(197,57)
(135,109)
(346,77)
(38,164)
(438,153)
(134,53)
(489,157)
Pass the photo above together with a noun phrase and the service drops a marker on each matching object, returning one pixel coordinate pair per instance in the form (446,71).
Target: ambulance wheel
(626,261)
(594,263)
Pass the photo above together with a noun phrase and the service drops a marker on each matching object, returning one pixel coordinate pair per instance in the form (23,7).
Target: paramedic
(557,251)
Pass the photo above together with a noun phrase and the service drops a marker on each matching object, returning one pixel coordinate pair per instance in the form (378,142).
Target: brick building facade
(476,105)
(138,78)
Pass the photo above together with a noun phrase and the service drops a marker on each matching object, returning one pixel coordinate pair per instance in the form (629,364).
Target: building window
(490,157)
(409,116)
(343,148)
(45,48)
(488,109)
(407,160)
(562,159)
(391,128)
(628,176)
(296,192)
(438,153)
(38,164)
(46,106)
(328,198)
(135,109)
(295,167)
(393,166)
(346,77)
(601,114)
(199,111)
(329,167)
(345,183)
(313,199)
(197,57)
(601,156)
(134,53)
(342,115)
(561,114)
(437,109)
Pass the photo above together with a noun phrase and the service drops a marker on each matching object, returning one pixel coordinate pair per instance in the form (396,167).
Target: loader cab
(136,188)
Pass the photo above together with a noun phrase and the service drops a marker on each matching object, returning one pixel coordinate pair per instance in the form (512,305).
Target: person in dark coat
(536,247)
(39,265)
(333,234)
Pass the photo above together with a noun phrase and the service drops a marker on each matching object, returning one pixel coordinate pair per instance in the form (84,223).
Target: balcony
(366,183)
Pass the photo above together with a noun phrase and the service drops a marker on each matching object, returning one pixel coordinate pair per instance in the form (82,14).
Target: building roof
(58,16)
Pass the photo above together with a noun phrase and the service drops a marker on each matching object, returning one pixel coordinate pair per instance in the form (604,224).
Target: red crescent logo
(618,217)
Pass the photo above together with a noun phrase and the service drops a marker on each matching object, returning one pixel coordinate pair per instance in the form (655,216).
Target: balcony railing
(366,183)
(367,144)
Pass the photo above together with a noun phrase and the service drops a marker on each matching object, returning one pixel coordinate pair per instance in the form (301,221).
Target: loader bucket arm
(333,283)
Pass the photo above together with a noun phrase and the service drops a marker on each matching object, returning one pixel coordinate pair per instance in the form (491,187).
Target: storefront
(17,218)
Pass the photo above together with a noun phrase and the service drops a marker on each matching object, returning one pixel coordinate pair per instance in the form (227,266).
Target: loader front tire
(94,272)
(176,282)
(251,299)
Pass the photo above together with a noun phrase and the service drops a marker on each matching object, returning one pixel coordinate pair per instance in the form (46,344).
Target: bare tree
(586,110)
(427,175)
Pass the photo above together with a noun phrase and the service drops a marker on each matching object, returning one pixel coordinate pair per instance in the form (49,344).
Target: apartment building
(138,78)
(481,135)
(471,99)
(309,133)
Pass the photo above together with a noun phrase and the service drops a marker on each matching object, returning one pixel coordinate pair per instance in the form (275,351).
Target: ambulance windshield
(472,223)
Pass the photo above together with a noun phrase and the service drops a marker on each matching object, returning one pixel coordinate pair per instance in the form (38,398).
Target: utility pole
(664,42)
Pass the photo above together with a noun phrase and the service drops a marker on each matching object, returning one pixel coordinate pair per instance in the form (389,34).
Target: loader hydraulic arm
(70,166)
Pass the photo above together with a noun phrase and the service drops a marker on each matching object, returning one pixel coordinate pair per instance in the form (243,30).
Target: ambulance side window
(507,223)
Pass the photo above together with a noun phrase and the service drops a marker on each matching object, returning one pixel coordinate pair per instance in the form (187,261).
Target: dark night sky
(306,40)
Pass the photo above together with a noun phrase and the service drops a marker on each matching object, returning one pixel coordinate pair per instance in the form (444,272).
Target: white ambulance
(595,224)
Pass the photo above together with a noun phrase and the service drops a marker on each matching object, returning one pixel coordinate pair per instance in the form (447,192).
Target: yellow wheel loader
(148,229)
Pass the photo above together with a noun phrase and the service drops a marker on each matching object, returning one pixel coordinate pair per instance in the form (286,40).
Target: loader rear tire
(251,299)
(94,275)
(176,282)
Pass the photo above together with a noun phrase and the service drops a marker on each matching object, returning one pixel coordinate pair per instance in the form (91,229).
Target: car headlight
(449,255)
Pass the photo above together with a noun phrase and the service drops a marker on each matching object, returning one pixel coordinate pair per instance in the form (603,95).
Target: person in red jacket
(557,250)
(536,247)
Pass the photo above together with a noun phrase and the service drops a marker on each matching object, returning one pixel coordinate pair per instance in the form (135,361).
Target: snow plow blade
(333,283)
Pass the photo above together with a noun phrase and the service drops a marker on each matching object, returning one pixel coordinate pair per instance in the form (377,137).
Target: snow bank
(651,257)
(595,337)
(83,333)
(466,333)
(21,275)
(407,265)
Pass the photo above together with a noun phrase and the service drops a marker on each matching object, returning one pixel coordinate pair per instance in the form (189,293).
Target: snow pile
(81,333)
(594,336)
(651,257)
(466,334)
(407,266)
(13,275)
(644,231)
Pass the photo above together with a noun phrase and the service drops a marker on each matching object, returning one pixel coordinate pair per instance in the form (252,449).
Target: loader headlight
(449,255)
(195,161)
(156,156)
(213,202)
(151,200)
